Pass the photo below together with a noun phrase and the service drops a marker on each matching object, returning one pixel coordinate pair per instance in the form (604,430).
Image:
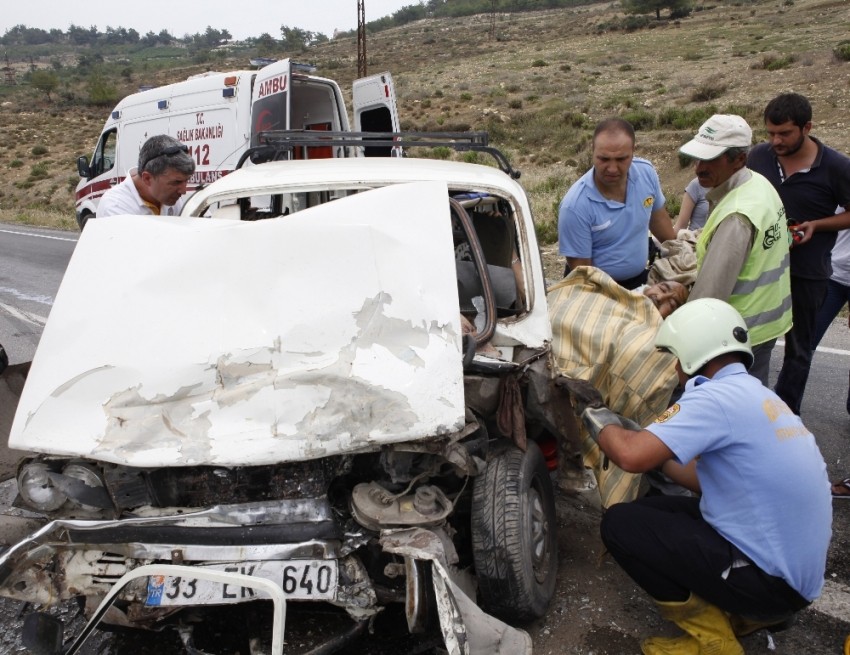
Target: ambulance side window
(104,155)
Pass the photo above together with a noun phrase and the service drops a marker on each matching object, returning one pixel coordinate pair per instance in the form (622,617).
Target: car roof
(321,174)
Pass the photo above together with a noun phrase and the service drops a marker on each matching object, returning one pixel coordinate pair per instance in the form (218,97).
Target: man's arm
(830,224)
(572,262)
(685,476)
(661,225)
(726,255)
(631,450)
(685,212)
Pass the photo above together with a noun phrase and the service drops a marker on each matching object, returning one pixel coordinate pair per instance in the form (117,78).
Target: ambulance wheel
(83,218)
(514,534)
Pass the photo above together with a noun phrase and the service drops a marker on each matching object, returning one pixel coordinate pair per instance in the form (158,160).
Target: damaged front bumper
(297,546)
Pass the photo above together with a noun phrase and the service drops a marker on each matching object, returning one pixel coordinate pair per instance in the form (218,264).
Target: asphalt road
(32,262)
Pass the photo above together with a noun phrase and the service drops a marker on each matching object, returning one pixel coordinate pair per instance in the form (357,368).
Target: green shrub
(39,171)
(684,119)
(101,91)
(640,119)
(842,51)
(708,90)
(773,62)
(470,157)
(552,184)
(441,152)
(39,150)
(632,23)
(465,97)
(674,203)
(547,231)
(538,63)
(515,103)
(16,163)
(574,119)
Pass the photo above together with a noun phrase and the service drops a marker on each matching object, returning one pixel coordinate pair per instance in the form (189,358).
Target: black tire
(514,535)
(82,219)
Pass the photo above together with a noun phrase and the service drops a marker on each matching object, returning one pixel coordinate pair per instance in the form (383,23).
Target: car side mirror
(83,167)
(42,634)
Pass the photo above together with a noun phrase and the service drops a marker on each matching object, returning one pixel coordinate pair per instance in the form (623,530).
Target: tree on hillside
(45,81)
(294,38)
(678,8)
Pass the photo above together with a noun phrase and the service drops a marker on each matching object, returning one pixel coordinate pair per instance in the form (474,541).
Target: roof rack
(280,144)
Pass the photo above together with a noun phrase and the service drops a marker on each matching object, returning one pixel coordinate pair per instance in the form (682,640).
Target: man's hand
(595,419)
(802,232)
(583,394)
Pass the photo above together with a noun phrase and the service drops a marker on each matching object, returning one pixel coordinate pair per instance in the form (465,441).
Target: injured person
(605,334)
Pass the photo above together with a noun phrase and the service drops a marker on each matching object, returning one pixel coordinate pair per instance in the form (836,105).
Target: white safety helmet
(700,330)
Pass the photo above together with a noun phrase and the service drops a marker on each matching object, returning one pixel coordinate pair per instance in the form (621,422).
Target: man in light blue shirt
(750,551)
(605,217)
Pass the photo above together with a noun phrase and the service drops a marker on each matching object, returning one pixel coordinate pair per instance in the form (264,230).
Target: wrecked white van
(353,398)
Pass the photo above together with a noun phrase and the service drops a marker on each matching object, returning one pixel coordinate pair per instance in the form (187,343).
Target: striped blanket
(605,334)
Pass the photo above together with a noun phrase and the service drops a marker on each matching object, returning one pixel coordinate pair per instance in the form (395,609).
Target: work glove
(582,393)
(596,418)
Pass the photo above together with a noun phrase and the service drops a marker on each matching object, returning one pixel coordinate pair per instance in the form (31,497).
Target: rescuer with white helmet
(748,550)
(707,329)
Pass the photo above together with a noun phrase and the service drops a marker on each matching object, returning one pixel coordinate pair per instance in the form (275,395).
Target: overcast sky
(241,18)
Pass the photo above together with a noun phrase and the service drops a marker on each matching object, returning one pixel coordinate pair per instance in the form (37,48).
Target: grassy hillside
(537,81)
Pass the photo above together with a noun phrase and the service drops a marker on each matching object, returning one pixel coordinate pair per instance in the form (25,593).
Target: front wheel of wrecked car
(514,540)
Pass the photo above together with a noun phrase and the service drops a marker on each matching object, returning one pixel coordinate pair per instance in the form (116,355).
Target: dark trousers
(761,361)
(837,295)
(806,299)
(668,549)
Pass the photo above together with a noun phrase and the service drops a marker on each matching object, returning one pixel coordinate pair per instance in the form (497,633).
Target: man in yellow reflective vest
(743,250)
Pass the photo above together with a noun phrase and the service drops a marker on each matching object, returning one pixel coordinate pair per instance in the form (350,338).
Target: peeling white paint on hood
(185,341)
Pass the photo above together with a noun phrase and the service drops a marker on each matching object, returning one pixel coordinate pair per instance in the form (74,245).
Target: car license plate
(299,579)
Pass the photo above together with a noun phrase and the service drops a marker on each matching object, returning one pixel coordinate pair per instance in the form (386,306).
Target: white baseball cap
(718,134)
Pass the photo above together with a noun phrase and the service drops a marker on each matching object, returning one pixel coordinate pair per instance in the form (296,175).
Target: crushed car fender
(466,629)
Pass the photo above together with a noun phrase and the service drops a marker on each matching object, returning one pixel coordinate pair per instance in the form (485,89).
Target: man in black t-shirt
(812,180)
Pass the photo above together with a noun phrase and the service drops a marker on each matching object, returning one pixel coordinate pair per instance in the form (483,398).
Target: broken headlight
(37,489)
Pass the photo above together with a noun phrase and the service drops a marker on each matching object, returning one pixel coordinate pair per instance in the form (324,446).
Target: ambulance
(220,115)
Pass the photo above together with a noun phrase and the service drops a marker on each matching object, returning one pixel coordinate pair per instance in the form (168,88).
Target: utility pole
(361,39)
(8,70)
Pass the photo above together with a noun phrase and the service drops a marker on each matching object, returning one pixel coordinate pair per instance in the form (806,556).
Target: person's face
(715,172)
(667,296)
(612,156)
(786,138)
(166,188)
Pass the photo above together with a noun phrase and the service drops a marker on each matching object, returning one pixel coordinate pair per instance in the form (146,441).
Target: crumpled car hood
(186,341)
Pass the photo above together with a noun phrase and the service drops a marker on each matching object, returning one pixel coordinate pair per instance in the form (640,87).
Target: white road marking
(823,349)
(38,236)
(20,314)
(834,601)
(43,300)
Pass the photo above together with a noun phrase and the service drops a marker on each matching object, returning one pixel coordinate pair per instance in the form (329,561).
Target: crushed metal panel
(186,341)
